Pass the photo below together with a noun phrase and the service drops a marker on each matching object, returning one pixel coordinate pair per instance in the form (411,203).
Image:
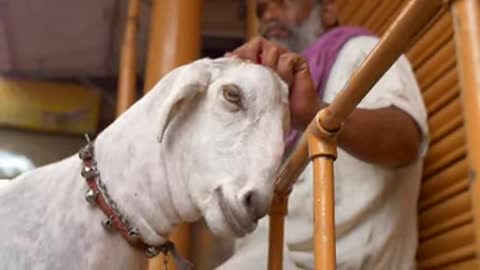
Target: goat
(205,142)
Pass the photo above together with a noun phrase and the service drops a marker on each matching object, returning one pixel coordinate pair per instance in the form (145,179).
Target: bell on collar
(134,235)
(152,251)
(86,153)
(107,224)
(91,196)
(89,173)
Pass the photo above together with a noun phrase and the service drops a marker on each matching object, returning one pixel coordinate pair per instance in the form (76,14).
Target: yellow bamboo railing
(320,146)
(128,60)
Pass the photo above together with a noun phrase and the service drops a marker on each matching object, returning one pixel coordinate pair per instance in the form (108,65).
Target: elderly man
(381,144)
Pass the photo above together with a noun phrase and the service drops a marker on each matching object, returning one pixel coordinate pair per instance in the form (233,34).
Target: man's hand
(293,69)
(394,134)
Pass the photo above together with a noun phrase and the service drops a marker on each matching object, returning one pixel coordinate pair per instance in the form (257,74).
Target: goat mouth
(240,223)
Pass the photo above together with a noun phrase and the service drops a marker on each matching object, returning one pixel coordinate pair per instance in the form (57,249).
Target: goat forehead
(256,78)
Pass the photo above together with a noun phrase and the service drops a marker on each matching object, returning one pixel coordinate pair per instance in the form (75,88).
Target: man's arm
(388,136)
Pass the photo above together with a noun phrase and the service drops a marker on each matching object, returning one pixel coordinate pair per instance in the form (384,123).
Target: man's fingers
(250,50)
(270,54)
(291,67)
(285,67)
(260,51)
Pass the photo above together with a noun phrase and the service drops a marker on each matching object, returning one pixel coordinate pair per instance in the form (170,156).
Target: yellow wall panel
(48,106)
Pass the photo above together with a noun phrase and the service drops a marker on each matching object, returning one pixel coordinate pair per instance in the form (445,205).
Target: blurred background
(59,67)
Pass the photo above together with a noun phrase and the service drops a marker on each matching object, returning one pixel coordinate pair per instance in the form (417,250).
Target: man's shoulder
(359,46)
(352,54)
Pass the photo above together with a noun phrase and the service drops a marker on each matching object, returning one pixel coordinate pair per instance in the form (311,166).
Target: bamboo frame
(466,18)
(437,65)
(322,129)
(466,265)
(128,67)
(362,14)
(446,225)
(439,149)
(431,41)
(458,204)
(349,10)
(445,120)
(463,253)
(454,239)
(252,21)
(434,167)
(389,14)
(442,91)
(449,182)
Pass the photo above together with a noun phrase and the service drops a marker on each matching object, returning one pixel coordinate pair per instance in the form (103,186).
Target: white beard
(303,35)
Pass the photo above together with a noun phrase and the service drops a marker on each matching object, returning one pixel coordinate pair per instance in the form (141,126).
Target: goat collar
(97,195)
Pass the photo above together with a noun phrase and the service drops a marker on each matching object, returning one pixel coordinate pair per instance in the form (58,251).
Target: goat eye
(232,94)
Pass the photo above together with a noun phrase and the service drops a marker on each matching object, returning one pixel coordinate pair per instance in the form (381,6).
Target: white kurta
(375,207)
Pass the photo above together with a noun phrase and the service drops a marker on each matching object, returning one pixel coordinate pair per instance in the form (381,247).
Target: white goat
(206,141)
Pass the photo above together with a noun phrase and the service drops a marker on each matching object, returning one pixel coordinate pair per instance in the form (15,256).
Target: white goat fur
(208,144)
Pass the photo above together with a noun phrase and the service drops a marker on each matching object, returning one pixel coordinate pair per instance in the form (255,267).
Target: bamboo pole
(175,39)
(252,21)
(322,152)
(466,18)
(275,232)
(128,66)
(396,40)
(410,22)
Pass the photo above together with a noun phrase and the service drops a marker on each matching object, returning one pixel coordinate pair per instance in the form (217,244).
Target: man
(381,145)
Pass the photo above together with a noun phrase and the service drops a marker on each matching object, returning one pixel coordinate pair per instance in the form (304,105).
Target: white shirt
(375,207)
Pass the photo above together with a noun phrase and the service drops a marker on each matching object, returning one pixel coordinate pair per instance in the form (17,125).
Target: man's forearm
(388,137)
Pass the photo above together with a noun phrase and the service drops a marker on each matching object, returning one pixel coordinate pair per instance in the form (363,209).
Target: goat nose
(254,204)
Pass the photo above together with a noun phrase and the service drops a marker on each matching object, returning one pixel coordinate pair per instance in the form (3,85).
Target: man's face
(294,24)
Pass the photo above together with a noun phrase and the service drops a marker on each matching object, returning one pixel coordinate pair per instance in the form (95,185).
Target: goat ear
(191,81)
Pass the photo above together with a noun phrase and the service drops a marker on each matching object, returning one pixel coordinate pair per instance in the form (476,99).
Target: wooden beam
(128,67)
(175,37)
(466,19)
(252,21)
(175,40)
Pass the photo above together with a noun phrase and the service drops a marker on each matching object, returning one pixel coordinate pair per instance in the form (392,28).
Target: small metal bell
(152,251)
(89,173)
(134,235)
(107,224)
(91,196)
(86,153)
